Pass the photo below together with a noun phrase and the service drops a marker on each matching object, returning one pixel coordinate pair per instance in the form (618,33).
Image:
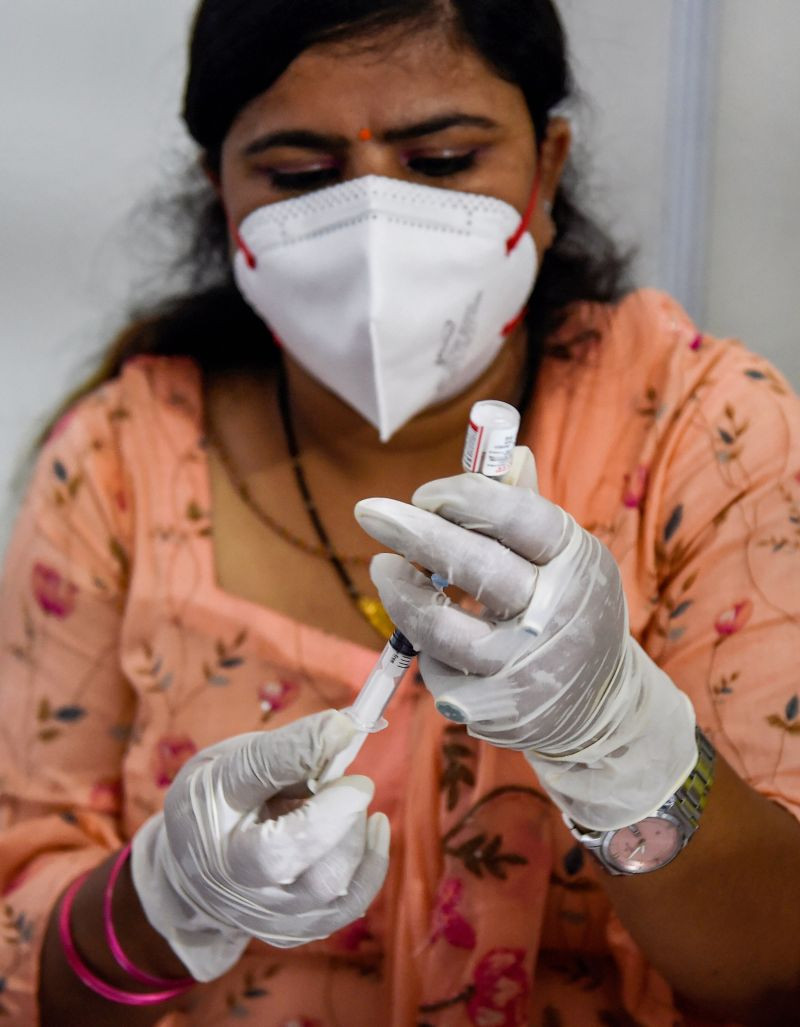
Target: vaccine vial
(491,437)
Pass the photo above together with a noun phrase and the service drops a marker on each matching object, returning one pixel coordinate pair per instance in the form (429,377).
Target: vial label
(499,452)
(489,451)
(472,447)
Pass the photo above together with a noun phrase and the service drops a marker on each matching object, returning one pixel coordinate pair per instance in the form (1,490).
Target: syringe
(489,449)
(369,705)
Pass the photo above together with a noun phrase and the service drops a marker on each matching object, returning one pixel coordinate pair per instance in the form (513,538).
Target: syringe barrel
(378,689)
(491,437)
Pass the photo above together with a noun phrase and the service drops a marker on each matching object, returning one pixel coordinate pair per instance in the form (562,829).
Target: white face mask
(394,296)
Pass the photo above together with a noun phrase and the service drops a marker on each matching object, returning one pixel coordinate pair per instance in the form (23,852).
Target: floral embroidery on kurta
(122,658)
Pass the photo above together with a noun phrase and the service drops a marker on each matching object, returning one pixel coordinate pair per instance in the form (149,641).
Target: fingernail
(379,834)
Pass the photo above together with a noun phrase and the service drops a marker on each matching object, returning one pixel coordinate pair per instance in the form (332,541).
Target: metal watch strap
(686,804)
(691,797)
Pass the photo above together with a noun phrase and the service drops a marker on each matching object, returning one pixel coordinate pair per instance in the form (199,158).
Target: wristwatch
(651,843)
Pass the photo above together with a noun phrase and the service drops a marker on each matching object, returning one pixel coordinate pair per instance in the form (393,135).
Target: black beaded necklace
(370,609)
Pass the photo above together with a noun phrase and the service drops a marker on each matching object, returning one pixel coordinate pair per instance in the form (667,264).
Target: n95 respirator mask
(394,296)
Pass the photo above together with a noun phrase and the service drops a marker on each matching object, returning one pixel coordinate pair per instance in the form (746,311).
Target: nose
(368,156)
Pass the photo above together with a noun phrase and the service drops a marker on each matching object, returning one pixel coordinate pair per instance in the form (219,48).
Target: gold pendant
(373,612)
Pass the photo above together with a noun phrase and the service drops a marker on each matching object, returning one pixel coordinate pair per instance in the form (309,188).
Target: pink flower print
(734,619)
(447,922)
(170,755)
(635,487)
(501,990)
(54,593)
(350,937)
(106,795)
(276,695)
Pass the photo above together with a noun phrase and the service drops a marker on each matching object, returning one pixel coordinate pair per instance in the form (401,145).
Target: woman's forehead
(381,83)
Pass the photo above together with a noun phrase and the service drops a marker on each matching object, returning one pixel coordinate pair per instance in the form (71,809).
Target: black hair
(239,48)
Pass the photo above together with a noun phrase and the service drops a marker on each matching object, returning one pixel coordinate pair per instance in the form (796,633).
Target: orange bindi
(365,135)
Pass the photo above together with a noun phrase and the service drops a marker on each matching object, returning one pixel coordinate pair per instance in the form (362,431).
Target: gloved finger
(487,570)
(267,762)
(330,877)
(431,622)
(521,519)
(365,884)
(277,852)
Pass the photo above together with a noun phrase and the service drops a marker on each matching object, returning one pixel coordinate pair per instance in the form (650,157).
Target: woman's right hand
(225,862)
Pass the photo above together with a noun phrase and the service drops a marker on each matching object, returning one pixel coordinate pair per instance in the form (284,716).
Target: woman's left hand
(550,668)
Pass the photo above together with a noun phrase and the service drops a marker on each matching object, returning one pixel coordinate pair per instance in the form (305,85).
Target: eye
(299,181)
(443,165)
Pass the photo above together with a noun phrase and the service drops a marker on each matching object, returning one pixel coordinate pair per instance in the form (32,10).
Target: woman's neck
(326,424)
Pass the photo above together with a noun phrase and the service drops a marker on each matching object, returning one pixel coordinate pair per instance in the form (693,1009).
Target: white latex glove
(551,668)
(219,867)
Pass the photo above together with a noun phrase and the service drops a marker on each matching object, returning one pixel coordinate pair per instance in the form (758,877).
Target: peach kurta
(121,657)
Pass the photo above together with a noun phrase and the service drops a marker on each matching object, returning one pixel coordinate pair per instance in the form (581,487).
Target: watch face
(647,845)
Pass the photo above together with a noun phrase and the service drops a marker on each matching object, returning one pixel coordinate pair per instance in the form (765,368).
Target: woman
(187,594)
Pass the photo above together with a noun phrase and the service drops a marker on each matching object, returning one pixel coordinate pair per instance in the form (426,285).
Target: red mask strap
(527,217)
(514,323)
(247,253)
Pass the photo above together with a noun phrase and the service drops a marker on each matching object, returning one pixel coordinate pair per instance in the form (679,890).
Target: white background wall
(753,273)
(620,59)
(88,127)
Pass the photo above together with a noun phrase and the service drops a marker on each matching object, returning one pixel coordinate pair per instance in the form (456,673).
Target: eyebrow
(306,140)
(438,124)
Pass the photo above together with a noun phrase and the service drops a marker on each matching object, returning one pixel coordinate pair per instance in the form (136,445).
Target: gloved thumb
(277,852)
(267,762)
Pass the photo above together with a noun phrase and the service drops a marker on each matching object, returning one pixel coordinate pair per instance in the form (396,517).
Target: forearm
(63,998)
(722,921)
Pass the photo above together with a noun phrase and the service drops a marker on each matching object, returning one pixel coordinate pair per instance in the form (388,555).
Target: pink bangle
(83,973)
(113,941)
